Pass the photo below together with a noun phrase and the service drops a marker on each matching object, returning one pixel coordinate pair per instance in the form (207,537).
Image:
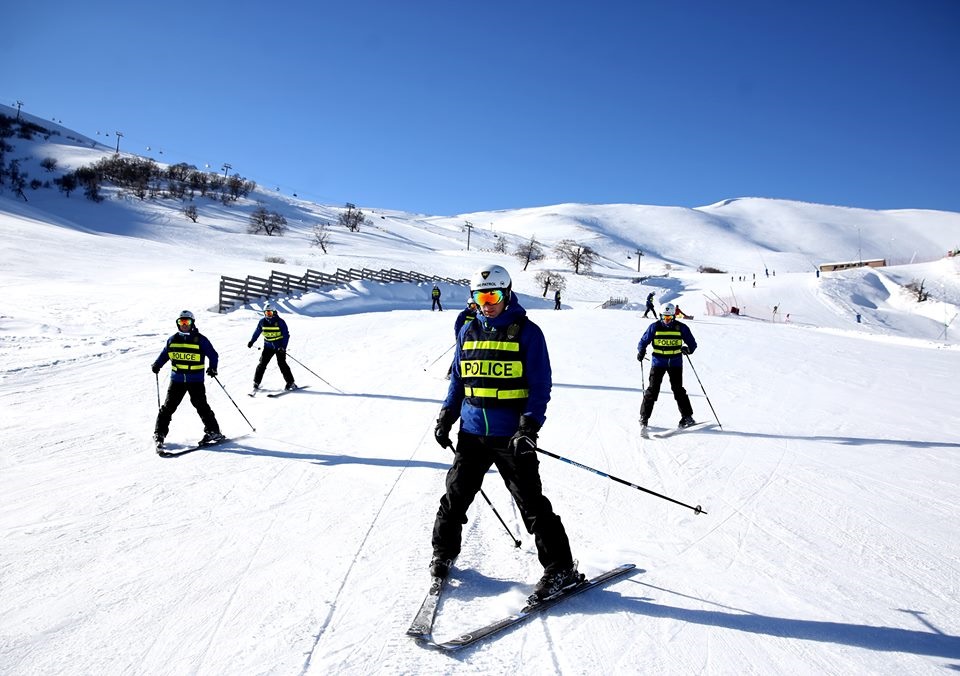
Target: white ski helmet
(669,310)
(490,277)
(269,306)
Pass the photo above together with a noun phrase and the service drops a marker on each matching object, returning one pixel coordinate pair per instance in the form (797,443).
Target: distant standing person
(650,307)
(671,339)
(499,390)
(187,350)
(556,300)
(275,339)
(435,295)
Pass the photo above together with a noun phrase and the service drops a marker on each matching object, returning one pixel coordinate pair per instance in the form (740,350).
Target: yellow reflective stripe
(186,346)
(184,356)
(192,367)
(490,368)
(508,346)
(272,333)
(493,393)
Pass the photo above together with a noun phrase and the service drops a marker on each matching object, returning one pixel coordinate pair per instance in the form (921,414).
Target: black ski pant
(653,391)
(198,397)
(265,358)
(521,475)
(436,304)
(650,309)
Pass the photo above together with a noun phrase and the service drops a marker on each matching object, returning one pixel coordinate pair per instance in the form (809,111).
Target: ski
(674,430)
(176,454)
(529,610)
(422,625)
(274,395)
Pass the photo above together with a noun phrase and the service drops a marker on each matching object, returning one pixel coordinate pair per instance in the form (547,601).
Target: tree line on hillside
(145,179)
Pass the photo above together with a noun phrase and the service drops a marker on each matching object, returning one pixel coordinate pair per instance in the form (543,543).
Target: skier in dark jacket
(556,300)
(499,389)
(466,316)
(671,339)
(435,295)
(187,350)
(275,339)
(650,307)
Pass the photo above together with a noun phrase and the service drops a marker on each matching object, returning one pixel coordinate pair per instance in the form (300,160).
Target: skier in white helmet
(499,388)
(671,339)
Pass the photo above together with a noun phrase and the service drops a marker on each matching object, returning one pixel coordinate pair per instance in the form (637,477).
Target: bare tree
(190,211)
(352,218)
(321,236)
(529,252)
(577,255)
(546,279)
(268,222)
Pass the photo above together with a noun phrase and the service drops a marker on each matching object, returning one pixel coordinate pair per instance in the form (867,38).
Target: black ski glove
(250,344)
(685,349)
(442,431)
(212,372)
(155,368)
(641,355)
(524,440)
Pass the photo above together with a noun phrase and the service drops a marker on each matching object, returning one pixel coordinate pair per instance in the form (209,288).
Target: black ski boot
(440,567)
(551,583)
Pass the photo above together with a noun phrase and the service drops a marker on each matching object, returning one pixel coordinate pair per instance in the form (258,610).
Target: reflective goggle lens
(184,321)
(668,317)
(488,297)
(268,313)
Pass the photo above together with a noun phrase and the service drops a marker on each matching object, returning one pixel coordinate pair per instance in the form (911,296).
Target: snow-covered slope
(301,547)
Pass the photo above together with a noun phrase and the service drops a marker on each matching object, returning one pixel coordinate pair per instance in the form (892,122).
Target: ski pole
(440,357)
(696,510)
(233,402)
(157,376)
(689,361)
(311,371)
(516,542)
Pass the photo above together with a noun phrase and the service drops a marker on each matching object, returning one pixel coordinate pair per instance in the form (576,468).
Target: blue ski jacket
(186,353)
(667,340)
(499,419)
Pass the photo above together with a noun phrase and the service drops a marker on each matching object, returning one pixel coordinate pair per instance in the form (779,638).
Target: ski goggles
(491,297)
(268,313)
(667,318)
(184,322)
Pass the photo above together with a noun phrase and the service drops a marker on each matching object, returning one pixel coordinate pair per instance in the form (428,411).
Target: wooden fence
(234,291)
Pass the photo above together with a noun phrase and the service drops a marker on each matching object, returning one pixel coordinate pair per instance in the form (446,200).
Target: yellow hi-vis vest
(491,368)
(667,341)
(185,355)
(271,332)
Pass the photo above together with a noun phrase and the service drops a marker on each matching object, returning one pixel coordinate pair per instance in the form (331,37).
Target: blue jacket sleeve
(538,372)
(284,333)
(687,336)
(207,348)
(256,331)
(646,338)
(163,357)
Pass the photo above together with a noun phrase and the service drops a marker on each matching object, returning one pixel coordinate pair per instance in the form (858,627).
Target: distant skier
(556,300)
(650,307)
(435,295)
(671,339)
(499,390)
(186,351)
(275,339)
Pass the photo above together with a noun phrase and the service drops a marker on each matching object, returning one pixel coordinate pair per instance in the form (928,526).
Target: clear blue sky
(445,107)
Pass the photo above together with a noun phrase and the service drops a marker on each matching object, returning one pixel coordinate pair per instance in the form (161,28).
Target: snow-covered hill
(301,547)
